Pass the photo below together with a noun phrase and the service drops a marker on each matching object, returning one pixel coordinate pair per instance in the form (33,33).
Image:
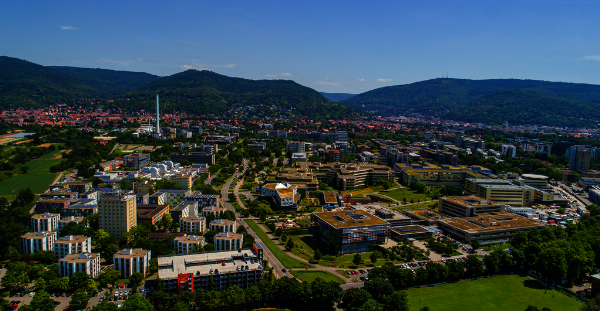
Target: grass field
(310,276)
(41,165)
(285,260)
(37,182)
(401,193)
(430,205)
(507,292)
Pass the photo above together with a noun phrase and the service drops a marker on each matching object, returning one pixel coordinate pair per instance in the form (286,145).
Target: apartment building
(129,261)
(44,222)
(72,244)
(184,209)
(468,206)
(83,262)
(204,200)
(186,244)
(117,213)
(225,225)
(213,210)
(184,181)
(32,242)
(229,241)
(192,224)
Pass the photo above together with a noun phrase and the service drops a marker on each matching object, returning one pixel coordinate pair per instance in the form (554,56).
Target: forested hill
(109,82)
(337,97)
(25,84)
(206,92)
(438,96)
(528,107)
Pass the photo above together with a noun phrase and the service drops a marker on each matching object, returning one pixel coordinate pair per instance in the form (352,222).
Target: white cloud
(361,80)
(384,80)
(328,83)
(117,62)
(591,57)
(197,67)
(225,66)
(68,28)
(278,75)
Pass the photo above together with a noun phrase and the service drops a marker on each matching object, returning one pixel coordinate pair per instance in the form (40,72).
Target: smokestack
(157,117)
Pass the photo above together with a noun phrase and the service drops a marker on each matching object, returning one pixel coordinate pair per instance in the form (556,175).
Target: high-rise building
(72,244)
(117,213)
(130,261)
(83,262)
(579,157)
(32,242)
(44,222)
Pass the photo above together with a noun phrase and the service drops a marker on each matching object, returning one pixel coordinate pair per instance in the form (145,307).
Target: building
(81,210)
(229,241)
(284,194)
(175,195)
(137,160)
(509,151)
(299,157)
(295,147)
(186,244)
(32,242)
(129,261)
(194,157)
(213,210)
(225,225)
(579,158)
(192,224)
(433,175)
(158,198)
(589,181)
(72,244)
(194,272)
(534,180)
(594,194)
(142,186)
(260,146)
(204,200)
(184,181)
(151,213)
(349,231)
(472,184)
(46,205)
(80,186)
(83,262)
(44,222)
(492,228)
(508,194)
(424,216)
(117,213)
(411,232)
(63,222)
(468,206)
(184,209)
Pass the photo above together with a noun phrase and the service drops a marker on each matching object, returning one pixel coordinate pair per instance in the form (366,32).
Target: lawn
(37,182)
(310,276)
(507,292)
(285,260)
(401,193)
(41,165)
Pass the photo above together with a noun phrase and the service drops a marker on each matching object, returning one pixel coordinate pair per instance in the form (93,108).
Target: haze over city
(330,46)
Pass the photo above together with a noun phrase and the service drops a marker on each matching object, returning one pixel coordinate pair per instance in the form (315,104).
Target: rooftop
(346,219)
(202,264)
(470,200)
(222,222)
(424,214)
(492,222)
(71,239)
(329,197)
(44,216)
(409,229)
(192,219)
(130,253)
(228,236)
(82,257)
(194,239)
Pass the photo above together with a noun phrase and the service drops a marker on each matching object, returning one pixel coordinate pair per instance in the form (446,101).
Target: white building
(229,241)
(213,210)
(83,262)
(186,244)
(31,242)
(509,151)
(295,146)
(192,224)
(285,194)
(129,261)
(225,225)
(72,244)
(44,222)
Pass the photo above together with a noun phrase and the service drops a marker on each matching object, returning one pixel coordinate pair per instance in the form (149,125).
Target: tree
(105,306)
(421,275)
(372,305)
(357,260)
(401,278)
(373,257)
(109,277)
(46,257)
(325,294)
(80,299)
(24,169)
(475,244)
(552,264)
(100,236)
(398,301)
(135,279)
(209,247)
(379,288)
(41,301)
(166,221)
(354,298)
(474,266)
(110,251)
(436,272)
(317,255)
(456,269)
(78,280)
(137,303)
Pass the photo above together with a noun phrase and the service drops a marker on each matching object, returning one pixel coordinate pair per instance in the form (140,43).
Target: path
(236,192)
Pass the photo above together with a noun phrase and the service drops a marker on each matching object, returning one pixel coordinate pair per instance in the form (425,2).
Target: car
(56,303)
(223,264)
(110,298)
(284,270)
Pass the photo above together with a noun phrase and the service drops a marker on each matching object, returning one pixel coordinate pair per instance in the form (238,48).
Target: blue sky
(331,46)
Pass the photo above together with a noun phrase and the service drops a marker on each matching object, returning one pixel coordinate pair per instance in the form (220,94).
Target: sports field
(310,276)
(507,292)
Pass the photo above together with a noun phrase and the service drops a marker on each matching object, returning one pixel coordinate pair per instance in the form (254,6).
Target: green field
(41,165)
(401,193)
(285,260)
(37,182)
(310,276)
(507,292)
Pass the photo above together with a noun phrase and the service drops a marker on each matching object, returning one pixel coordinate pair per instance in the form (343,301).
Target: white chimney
(157,117)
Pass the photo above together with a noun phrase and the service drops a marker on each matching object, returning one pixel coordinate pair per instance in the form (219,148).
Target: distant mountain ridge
(337,97)
(110,82)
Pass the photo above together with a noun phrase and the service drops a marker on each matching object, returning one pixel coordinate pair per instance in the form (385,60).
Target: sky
(330,46)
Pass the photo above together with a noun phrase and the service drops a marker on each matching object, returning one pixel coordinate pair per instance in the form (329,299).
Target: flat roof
(329,197)
(492,222)
(506,187)
(190,239)
(534,176)
(71,239)
(44,216)
(192,219)
(222,222)
(82,257)
(201,264)
(470,200)
(130,253)
(228,236)
(346,219)
(402,230)
(425,214)
(72,218)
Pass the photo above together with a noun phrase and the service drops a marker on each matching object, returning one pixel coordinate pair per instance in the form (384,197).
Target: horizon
(332,47)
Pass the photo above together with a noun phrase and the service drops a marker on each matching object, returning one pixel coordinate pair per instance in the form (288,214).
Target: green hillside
(528,107)
(206,92)
(112,82)
(25,84)
(438,96)
(337,97)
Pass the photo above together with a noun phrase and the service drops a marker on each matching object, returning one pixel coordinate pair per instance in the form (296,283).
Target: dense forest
(337,97)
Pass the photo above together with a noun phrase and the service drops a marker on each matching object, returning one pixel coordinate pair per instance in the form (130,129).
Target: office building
(72,244)
(411,232)
(347,232)
(225,225)
(137,160)
(424,216)
(83,262)
(295,147)
(184,181)
(194,272)
(32,242)
(44,222)
(192,224)
(129,261)
(472,184)
(229,241)
(492,228)
(284,194)
(186,244)
(468,206)
(117,213)
(46,205)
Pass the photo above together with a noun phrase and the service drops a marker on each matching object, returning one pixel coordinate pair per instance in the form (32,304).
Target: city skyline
(332,46)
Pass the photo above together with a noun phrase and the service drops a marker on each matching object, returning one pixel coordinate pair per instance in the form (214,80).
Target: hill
(528,107)
(25,84)
(205,92)
(438,96)
(110,82)
(337,97)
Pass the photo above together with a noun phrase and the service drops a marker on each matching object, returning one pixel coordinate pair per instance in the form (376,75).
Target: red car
(223,264)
